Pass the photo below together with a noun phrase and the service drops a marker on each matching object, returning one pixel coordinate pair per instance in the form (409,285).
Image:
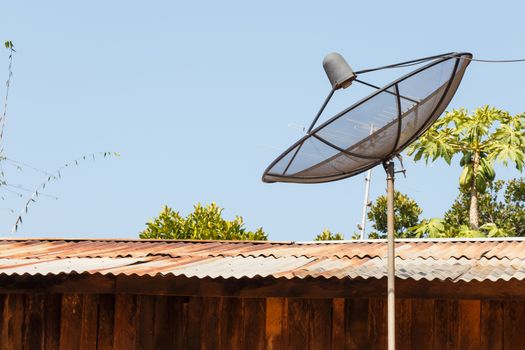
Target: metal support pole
(368,178)
(391,297)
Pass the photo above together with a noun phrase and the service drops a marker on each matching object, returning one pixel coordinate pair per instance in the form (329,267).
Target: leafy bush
(501,209)
(327,235)
(205,222)
(406,212)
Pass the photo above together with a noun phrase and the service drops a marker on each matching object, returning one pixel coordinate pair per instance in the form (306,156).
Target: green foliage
(465,232)
(488,204)
(327,235)
(9,45)
(406,211)
(492,230)
(501,214)
(431,228)
(205,222)
(501,209)
(436,228)
(486,136)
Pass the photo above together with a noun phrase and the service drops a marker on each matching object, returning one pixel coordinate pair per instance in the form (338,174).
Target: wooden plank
(513,321)
(145,322)
(275,314)
(178,317)
(162,324)
(274,338)
(18,316)
(254,315)
(231,324)
(52,315)
(125,328)
(14,321)
(338,324)
(491,325)
(298,324)
(262,287)
(422,330)
(252,287)
(193,323)
(377,324)
(106,320)
(163,327)
(70,321)
(469,324)
(320,332)
(356,328)
(64,283)
(89,322)
(403,324)
(3,322)
(446,324)
(34,322)
(209,330)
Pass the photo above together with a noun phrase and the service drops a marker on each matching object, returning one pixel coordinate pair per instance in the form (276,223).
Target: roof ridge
(138,240)
(335,242)
(421,240)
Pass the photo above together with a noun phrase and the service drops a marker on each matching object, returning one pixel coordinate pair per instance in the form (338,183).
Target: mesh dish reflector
(374,129)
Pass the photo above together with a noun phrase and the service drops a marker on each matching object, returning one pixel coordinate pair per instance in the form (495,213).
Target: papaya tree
(481,138)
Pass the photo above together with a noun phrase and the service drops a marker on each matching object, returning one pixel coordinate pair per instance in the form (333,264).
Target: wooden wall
(125,321)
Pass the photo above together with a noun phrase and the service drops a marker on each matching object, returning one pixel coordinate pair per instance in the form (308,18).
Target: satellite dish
(372,131)
(398,113)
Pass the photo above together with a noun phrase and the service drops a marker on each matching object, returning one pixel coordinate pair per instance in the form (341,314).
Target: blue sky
(198,98)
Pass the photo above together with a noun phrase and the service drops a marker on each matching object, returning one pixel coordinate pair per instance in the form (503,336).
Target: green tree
(501,209)
(486,136)
(501,213)
(406,212)
(327,235)
(205,222)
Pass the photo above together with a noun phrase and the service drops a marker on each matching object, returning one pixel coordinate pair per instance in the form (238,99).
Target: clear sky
(198,98)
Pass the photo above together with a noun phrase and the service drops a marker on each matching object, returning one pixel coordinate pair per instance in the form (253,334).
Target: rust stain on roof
(451,259)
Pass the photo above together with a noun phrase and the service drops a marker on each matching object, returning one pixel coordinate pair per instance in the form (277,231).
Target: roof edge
(420,240)
(88,239)
(399,240)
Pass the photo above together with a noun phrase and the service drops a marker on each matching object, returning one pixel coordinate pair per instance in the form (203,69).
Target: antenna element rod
(321,110)
(390,174)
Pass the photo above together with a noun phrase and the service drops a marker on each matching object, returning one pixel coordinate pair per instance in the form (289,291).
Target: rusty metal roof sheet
(450,259)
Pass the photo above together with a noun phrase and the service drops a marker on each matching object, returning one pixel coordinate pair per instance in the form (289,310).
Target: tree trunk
(474,211)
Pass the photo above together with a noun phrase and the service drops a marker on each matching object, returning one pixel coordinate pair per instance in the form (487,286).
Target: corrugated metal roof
(451,259)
